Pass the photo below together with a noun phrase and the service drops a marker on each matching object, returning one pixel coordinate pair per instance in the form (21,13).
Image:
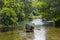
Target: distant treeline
(14,11)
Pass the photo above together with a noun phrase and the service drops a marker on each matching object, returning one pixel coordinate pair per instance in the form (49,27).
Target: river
(40,33)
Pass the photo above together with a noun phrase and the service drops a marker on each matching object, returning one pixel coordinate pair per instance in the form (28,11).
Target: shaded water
(40,33)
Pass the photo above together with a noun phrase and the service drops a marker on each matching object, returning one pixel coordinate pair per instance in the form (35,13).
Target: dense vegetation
(14,11)
(49,9)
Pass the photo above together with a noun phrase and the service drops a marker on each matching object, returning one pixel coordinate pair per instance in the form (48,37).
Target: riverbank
(53,33)
(10,35)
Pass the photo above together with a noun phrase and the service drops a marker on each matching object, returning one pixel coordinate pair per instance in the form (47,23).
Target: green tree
(49,9)
(28,8)
(8,16)
(1,4)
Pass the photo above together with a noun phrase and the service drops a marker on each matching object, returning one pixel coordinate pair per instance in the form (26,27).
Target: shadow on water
(6,29)
(57,23)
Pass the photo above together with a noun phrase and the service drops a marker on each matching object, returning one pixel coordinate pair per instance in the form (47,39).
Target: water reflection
(40,34)
(45,33)
(37,22)
(37,35)
(29,36)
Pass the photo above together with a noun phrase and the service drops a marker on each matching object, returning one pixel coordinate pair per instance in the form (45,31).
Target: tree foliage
(8,16)
(49,9)
(13,11)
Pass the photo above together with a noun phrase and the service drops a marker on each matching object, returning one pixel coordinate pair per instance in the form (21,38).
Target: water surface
(40,33)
